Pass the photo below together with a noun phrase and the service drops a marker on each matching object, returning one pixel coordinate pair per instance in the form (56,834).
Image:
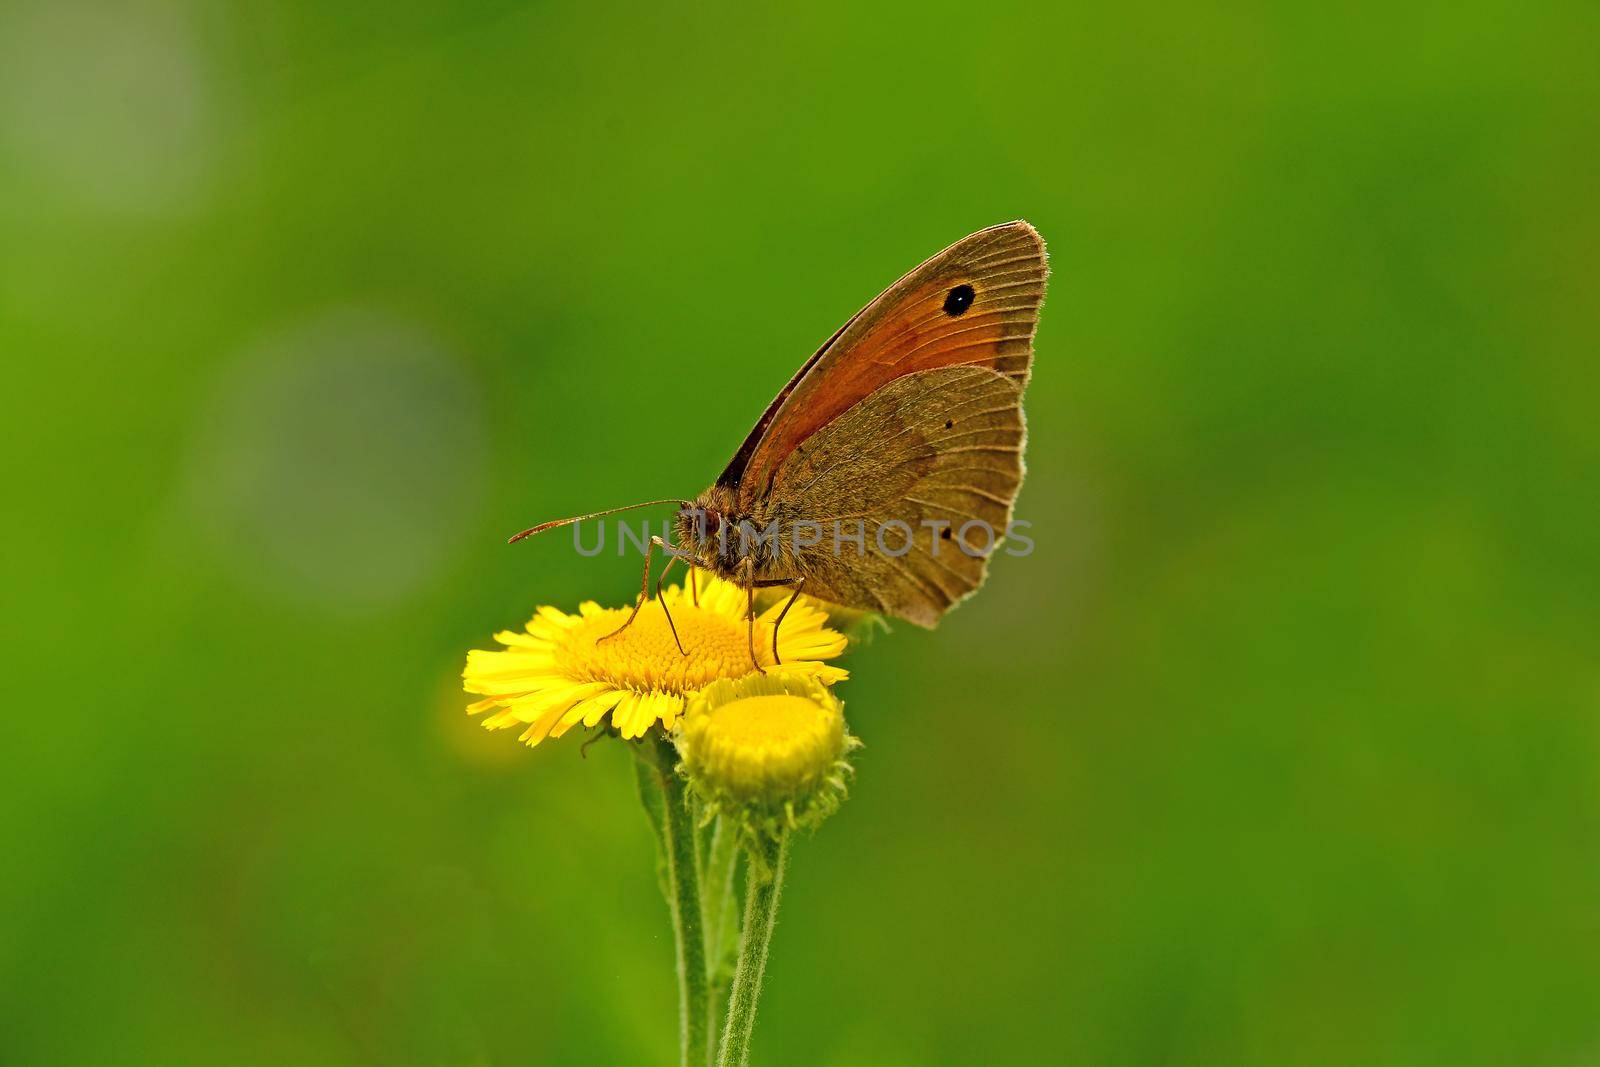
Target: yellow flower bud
(768,750)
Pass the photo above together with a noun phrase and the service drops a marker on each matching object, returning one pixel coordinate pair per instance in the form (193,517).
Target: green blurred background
(1280,749)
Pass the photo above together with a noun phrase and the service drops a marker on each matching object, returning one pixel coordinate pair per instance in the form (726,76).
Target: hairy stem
(666,803)
(765,872)
(721,909)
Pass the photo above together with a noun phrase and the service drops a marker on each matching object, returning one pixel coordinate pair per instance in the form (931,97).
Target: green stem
(666,802)
(722,921)
(760,915)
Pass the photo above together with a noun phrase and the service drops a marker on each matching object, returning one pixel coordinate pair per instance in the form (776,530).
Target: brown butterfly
(863,481)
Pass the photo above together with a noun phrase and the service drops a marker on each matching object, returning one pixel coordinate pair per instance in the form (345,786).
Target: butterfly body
(737,539)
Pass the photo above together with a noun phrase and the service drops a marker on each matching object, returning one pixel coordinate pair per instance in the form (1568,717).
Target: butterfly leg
(600,730)
(660,581)
(644,591)
(749,583)
(787,604)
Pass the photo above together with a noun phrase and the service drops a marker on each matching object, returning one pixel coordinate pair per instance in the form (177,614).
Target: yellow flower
(768,752)
(558,673)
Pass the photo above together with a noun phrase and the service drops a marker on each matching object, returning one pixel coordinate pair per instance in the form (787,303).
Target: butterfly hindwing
(908,489)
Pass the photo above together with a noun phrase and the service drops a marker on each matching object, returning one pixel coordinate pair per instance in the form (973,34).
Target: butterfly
(883,475)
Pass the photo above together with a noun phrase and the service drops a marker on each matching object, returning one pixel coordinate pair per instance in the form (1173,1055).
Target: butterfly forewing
(976,303)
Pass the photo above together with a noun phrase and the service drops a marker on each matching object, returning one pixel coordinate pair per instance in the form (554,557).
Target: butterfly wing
(976,303)
(910,488)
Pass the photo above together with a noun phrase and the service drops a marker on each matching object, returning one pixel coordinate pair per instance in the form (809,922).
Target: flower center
(765,720)
(645,657)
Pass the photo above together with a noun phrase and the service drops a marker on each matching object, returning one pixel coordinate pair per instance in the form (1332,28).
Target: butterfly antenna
(551,525)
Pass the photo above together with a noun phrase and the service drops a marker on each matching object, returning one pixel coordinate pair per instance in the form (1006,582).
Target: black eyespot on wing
(958,300)
(949,424)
